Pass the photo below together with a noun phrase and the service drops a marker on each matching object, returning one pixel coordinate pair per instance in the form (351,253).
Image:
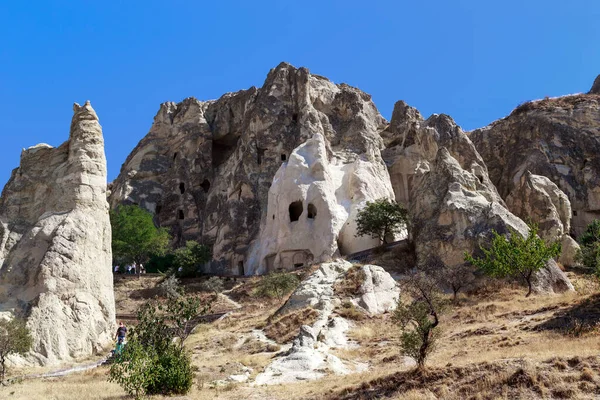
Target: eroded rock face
(251,164)
(538,199)
(55,254)
(558,138)
(453,205)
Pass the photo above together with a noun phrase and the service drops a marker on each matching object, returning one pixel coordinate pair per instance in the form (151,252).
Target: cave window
(296,210)
(182,188)
(312,211)
(295,117)
(574,213)
(174,156)
(241,268)
(283,157)
(180,214)
(260,154)
(205,185)
(158,209)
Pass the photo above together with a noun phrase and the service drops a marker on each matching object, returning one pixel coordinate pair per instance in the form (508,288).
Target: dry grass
(284,328)
(350,283)
(564,102)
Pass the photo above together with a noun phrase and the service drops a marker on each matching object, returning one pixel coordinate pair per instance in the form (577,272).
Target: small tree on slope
(515,256)
(419,318)
(381,219)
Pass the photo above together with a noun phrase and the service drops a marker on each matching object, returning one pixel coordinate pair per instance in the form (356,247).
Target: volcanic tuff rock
(541,201)
(558,138)
(55,254)
(453,206)
(270,177)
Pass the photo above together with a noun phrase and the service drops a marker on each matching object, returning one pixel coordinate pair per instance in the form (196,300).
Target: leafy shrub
(154,361)
(169,287)
(381,219)
(214,284)
(277,284)
(14,339)
(188,259)
(515,256)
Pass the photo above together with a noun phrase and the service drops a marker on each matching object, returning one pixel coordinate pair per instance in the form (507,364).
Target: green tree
(381,219)
(277,284)
(154,360)
(187,259)
(419,318)
(515,256)
(589,253)
(14,339)
(135,237)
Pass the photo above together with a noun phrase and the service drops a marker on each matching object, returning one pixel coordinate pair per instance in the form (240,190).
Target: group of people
(130,269)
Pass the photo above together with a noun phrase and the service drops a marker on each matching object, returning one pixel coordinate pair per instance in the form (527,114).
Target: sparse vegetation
(455,277)
(187,260)
(515,256)
(284,328)
(277,284)
(14,339)
(350,311)
(381,219)
(213,284)
(419,317)
(169,287)
(589,254)
(349,285)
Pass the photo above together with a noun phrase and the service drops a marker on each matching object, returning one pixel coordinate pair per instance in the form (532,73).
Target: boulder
(379,292)
(55,257)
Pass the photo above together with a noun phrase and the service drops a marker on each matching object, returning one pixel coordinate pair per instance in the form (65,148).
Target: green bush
(14,339)
(160,264)
(187,260)
(277,284)
(154,360)
(589,254)
(515,256)
(381,219)
(213,284)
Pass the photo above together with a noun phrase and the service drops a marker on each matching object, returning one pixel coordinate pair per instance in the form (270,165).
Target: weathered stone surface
(558,138)
(220,171)
(537,199)
(379,292)
(55,254)
(596,86)
(452,203)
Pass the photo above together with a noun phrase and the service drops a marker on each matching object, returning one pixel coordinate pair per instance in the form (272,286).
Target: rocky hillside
(273,177)
(558,138)
(55,253)
(270,177)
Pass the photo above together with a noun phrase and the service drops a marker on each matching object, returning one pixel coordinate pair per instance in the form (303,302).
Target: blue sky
(474,60)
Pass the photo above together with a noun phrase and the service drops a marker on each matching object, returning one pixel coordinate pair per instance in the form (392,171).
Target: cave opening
(222,149)
(311,211)
(260,154)
(283,157)
(180,214)
(182,188)
(175,156)
(295,210)
(205,185)
(295,117)
(158,209)
(241,268)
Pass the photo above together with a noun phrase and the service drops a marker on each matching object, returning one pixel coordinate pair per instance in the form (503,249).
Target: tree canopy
(134,235)
(515,255)
(381,219)
(589,254)
(14,339)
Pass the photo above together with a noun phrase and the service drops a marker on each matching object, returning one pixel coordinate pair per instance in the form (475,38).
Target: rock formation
(452,203)
(55,253)
(270,178)
(541,201)
(558,138)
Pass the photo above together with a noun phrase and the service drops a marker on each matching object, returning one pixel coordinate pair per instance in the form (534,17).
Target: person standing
(120,336)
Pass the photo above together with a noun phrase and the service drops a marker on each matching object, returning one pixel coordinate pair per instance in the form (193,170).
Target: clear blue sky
(475,60)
